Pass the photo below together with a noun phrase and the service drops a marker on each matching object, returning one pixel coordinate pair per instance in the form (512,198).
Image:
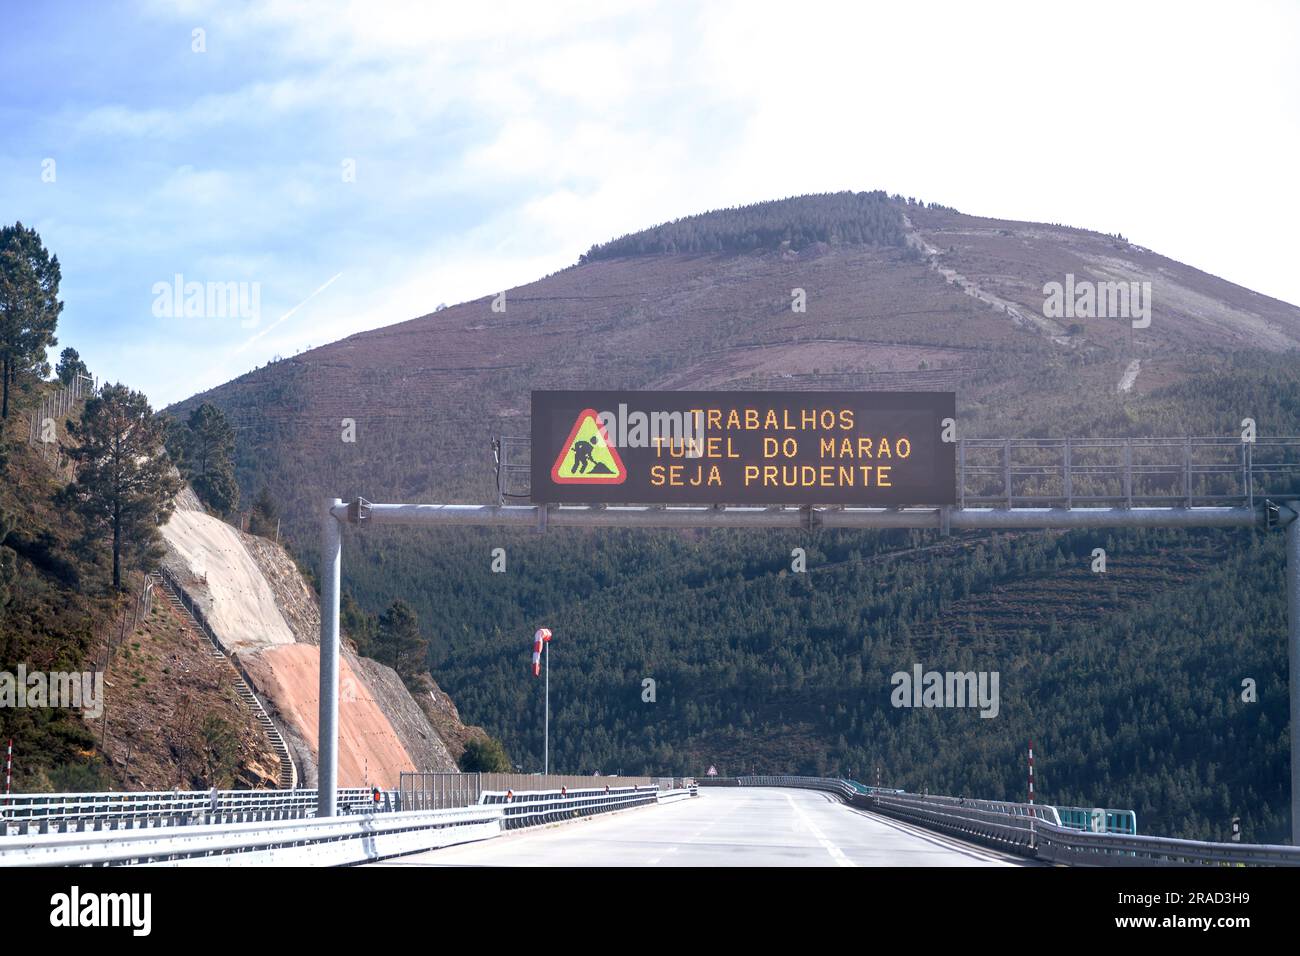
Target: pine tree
(265,516)
(398,642)
(357,624)
(124,482)
(8,559)
(70,366)
(208,444)
(484,755)
(29,307)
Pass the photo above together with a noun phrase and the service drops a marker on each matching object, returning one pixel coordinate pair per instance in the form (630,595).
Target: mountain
(1128,682)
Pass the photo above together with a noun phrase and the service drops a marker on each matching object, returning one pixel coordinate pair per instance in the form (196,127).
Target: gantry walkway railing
(1071,472)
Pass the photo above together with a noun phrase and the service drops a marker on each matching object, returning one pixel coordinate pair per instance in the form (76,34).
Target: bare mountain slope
(1191,309)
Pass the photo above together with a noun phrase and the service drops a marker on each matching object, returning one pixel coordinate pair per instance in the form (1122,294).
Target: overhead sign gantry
(934,481)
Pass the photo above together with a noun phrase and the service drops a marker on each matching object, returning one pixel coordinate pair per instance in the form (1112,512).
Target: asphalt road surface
(723,826)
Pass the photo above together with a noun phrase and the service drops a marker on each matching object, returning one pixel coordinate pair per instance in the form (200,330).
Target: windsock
(540,639)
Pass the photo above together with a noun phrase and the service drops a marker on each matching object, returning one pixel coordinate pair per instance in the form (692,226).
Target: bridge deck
(724,826)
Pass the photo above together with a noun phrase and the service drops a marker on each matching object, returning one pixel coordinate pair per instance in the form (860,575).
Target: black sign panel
(881,449)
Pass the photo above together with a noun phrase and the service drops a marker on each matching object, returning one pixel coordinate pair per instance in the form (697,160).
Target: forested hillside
(53,608)
(838,218)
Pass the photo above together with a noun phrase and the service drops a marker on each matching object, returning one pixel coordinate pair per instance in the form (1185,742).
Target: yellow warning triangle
(587,457)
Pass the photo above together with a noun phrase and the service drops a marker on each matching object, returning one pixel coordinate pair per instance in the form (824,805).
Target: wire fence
(55,407)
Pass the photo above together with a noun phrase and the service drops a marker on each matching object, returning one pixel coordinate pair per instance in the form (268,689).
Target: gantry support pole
(331,567)
(1293,657)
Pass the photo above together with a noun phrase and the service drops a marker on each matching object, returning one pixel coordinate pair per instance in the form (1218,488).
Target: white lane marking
(836,853)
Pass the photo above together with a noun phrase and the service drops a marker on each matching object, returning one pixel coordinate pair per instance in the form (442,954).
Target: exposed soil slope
(264,613)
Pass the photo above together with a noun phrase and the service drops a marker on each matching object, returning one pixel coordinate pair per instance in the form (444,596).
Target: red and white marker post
(1031,773)
(1032,835)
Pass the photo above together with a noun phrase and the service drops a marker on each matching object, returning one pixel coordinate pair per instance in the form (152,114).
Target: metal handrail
(1080,848)
(24,811)
(317,840)
(348,839)
(550,806)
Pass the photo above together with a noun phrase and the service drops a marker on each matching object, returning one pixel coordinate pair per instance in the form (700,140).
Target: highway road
(724,826)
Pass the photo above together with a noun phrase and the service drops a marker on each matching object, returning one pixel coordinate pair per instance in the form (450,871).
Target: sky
(353,165)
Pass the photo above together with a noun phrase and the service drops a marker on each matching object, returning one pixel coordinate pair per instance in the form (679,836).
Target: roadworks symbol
(588,458)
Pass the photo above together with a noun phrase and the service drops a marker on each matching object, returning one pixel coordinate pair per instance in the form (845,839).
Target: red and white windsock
(540,640)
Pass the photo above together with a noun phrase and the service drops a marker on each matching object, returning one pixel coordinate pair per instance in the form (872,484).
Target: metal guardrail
(1037,831)
(28,812)
(554,806)
(330,841)
(301,840)
(1071,818)
(1107,849)
(24,813)
(1006,831)
(1003,808)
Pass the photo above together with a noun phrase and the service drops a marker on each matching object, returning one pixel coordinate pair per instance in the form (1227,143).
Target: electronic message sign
(884,449)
